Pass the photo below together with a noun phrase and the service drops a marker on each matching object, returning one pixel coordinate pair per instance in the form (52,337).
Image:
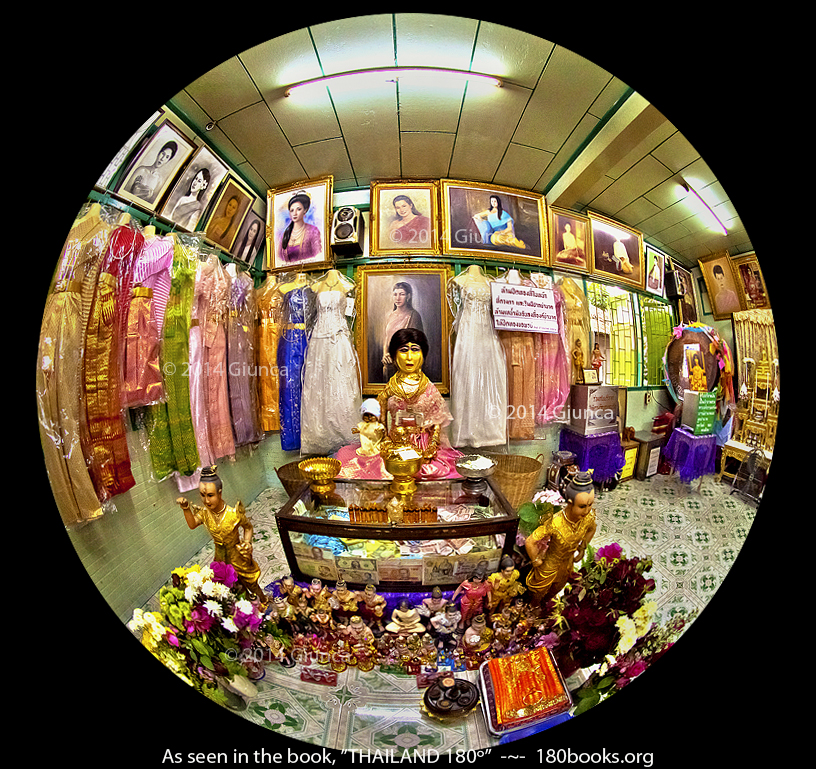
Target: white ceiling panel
(560,124)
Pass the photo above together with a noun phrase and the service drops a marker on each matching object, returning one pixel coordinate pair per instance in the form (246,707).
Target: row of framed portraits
(167,174)
(461,219)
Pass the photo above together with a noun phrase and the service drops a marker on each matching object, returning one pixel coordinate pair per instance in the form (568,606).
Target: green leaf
(588,702)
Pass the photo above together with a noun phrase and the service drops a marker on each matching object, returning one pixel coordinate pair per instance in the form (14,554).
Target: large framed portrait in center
(298,221)
(393,296)
(494,222)
(404,218)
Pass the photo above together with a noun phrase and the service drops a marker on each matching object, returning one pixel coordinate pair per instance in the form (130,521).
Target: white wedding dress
(331,385)
(479,373)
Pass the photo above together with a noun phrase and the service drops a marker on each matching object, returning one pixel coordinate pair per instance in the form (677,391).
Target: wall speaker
(347,231)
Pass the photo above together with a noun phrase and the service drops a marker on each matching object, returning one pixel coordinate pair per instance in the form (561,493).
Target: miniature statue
(223,523)
(578,362)
(562,540)
(433,605)
(303,615)
(285,616)
(428,654)
(372,608)
(371,430)
(289,590)
(344,602)
(445,625)
(405,620)
(357,632)
(476,642)
(318,596)
(504,585)
(474,592)
(597,360)
(323,623)
(341,656)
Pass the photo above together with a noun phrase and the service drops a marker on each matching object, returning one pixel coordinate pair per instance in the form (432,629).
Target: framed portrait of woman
(250,239)
(298,220)
(404,218)
(684,283)
(751,284)
(617,251)
(394,296)
(230,207)
(155,165)
(655,270)
(493,222)
(569,248)
(721,284)
(194,189)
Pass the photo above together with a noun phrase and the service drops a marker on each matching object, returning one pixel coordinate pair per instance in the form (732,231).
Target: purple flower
(224,573)
(611,552)
(200,620)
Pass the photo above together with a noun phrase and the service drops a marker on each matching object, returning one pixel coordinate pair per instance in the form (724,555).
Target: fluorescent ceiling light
(707,208)
(386,74)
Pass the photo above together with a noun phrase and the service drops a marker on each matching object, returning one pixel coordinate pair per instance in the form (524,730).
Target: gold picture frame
(617,251)
(750,282)
(404,218)
(570,246)
(721,283)
(312,251)
(494,222)
(424,291)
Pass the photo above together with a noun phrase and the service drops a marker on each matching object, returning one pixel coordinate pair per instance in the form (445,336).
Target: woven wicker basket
(291,477)
(517,476)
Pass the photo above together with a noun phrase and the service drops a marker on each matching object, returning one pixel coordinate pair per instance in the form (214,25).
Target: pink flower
(171,638)
(611,552)
(200,620)
(224,573)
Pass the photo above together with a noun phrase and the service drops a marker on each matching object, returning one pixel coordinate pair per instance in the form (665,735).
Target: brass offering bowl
(403,471)
(321,472)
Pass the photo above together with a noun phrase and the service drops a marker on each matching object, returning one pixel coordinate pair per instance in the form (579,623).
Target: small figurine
(405,620)
(285,616)
(445,624)
(341,656)
(289,590)
(323,623)
(357,632)
(372,608)
(476,642)
(578,362)
(504,585)
(371,430)
(474,592)
(344,602)
(561,541)
(433,605)
(318,596)
(223,523)
(428,654)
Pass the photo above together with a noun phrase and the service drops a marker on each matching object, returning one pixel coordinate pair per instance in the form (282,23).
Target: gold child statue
(224,523)
(562,540)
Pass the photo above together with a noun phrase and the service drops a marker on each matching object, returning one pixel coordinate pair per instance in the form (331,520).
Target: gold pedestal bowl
(321,472)
(403,471)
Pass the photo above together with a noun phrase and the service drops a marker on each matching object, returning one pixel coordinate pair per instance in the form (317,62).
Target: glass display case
(357,532)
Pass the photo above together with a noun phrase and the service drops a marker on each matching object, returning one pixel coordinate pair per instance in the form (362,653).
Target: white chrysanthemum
(220,590)
(190,593)
(194,578)
(244,606)
(208,588)
(229,625)
(214,608)
(138,620)
(206,572)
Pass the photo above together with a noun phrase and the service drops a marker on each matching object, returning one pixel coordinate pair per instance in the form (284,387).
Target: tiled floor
(692,536)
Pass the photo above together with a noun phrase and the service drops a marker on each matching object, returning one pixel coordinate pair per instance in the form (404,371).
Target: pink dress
(434,411)
(142,378)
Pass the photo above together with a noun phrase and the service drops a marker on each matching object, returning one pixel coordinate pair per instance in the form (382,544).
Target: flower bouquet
(637,649)
(594,611)
(204,629)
